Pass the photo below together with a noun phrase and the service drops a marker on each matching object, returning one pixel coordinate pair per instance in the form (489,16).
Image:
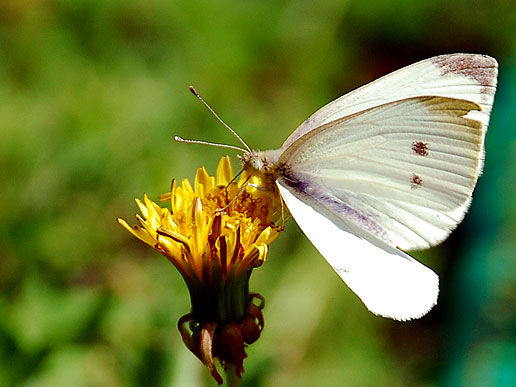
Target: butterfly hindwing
(389,282)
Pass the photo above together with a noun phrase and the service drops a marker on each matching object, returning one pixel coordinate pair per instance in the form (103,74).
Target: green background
(92,93)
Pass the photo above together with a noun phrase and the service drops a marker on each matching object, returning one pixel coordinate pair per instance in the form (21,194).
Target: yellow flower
(215,233)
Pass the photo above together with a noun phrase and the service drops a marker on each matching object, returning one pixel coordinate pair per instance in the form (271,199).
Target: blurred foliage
(91,94)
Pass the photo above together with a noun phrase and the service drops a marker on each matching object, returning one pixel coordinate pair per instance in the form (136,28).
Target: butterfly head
(263,164)
(266,162)
(252,160)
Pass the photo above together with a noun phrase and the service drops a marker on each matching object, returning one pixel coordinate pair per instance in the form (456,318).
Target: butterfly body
(387,168)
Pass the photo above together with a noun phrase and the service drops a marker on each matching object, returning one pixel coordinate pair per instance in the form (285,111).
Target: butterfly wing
(404,171)
(462,76)
(389,282)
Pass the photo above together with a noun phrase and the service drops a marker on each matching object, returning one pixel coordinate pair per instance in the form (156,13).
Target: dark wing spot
(481,68)
(416,181)
(421,148)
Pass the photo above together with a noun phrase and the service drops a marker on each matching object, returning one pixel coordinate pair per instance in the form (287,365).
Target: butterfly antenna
(181,139)
(194,92)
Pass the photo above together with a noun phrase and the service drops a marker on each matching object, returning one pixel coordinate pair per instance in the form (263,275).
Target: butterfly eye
(256,163)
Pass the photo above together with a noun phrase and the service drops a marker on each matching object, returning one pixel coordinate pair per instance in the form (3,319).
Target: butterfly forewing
(408,165)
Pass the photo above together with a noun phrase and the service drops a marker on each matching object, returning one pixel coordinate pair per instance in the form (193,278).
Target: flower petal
(138,232)
(203,182)
(224,171)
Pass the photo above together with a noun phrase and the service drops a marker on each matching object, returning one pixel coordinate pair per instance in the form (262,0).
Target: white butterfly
(389,166)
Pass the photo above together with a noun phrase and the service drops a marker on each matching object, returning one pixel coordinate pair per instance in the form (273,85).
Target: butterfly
(387,168)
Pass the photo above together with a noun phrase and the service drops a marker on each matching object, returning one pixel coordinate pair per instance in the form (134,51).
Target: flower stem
(231,379)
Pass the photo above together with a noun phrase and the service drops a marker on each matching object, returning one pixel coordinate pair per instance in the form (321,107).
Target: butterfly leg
(238,194)
(282,203)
